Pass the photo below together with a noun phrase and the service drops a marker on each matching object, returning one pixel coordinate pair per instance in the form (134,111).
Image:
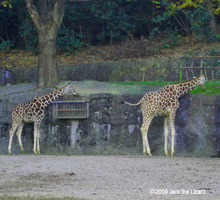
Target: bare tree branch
(58,9)
(33,12)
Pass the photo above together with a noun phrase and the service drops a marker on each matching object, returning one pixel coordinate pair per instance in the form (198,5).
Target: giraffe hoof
(147,154)
(22,151)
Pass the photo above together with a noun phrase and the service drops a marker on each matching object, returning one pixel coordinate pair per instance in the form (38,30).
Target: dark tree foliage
(107,22)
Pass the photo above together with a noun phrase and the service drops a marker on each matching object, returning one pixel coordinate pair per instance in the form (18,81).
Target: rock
(160,69)
(112,127)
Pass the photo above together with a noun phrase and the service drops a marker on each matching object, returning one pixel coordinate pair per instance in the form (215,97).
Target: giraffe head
(202,81)
(70,89)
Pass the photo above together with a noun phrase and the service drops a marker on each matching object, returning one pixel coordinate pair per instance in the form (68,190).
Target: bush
(172,39)
(215,51)
(111,20)
(67,41)
(6,44)
(29,34)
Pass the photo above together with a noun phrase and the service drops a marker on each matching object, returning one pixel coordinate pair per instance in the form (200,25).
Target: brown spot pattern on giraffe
(33,111)
(164,102)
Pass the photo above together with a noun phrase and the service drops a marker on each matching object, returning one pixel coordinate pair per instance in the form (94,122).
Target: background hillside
(111,53)
(116,30)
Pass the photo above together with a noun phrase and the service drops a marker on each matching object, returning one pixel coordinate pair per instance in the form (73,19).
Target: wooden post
(181,70)
(201,66)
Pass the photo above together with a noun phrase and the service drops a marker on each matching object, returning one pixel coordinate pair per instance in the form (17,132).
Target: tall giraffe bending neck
(50,97)
(33,111)
(164,102)
(187,86)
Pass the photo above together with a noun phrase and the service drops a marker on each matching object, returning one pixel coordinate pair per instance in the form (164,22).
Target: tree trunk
(47,23)
(47,63)
(212,22)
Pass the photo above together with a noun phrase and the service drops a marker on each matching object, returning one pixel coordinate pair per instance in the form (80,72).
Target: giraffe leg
(166,132)
(11,132)
(38,144)
(36,148)
(35,139)
(19,131)
(144,131)
(173,132)
(143,140)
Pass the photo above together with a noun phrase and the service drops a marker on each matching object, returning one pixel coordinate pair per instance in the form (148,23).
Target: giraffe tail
(136,104)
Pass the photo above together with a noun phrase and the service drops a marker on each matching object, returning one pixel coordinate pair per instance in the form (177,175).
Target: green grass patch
(150,83)
(211,87)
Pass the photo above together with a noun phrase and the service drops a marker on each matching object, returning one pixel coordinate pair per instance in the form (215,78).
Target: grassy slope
(211,87)
(113,53)
(96,54)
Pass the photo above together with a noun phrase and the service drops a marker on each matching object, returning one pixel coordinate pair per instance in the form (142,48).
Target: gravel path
(109,177)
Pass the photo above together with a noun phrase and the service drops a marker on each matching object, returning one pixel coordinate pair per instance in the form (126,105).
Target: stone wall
(148,70)
(113,128)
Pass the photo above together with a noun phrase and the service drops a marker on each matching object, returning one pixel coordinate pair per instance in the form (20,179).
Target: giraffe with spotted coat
(33,111)
(164,101)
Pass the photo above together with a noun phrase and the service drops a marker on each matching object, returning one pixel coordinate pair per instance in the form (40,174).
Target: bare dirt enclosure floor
(108,177)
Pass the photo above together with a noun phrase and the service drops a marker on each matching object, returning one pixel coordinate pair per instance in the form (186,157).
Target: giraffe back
(29,111)
(160,102)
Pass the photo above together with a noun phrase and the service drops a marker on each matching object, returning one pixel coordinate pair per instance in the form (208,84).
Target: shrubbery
(111,22)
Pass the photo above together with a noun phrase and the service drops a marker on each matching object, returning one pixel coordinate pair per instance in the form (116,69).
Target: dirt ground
(109,177)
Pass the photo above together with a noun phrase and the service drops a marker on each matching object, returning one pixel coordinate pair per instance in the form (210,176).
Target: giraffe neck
(185,87)
(48,98)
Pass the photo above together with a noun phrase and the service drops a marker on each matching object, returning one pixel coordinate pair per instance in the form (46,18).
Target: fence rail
(200,64)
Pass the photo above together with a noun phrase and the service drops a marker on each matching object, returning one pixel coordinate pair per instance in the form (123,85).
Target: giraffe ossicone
(164,101)
(33,111)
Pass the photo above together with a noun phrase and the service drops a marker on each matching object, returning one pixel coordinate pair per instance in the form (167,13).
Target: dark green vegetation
(134,29)
(114,21)
(211,87)
(150,83)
